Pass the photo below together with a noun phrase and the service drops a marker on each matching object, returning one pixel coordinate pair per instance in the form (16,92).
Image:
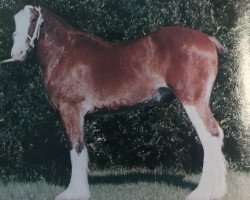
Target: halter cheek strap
(37,28)
(36,33)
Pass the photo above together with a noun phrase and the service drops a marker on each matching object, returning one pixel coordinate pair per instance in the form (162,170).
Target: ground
(128,185)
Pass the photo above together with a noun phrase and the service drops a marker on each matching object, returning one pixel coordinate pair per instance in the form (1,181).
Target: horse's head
(28,22)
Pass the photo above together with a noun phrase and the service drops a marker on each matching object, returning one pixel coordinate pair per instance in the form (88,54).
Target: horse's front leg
(73,119)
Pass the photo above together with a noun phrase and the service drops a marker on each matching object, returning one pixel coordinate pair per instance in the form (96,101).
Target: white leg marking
(78,188)
(212,185)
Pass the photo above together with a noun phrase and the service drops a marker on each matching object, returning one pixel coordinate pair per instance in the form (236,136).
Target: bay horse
(83,74)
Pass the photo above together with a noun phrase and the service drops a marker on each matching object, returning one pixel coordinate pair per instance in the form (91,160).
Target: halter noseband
(36,32)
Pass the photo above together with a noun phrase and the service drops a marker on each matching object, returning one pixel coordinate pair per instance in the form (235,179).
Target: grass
(128,185)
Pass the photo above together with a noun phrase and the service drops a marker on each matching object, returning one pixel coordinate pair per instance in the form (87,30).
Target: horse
(83,74)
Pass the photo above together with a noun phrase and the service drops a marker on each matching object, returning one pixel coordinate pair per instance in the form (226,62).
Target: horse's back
(179,36)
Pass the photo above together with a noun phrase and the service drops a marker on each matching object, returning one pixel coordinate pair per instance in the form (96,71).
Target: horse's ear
(20,4)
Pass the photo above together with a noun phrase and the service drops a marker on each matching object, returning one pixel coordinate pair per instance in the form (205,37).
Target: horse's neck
(56,38)
(56,34)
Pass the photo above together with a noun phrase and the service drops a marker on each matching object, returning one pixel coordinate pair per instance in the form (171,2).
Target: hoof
(206,195)
(73,195)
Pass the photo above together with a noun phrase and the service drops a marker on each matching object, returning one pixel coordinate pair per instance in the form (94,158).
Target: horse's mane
(52,18)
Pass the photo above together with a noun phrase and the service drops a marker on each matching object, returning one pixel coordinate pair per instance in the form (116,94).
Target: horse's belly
(129,99)
(126,94)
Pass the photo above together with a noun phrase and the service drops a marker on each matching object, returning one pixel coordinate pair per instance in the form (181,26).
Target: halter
(37,29)
(36,32)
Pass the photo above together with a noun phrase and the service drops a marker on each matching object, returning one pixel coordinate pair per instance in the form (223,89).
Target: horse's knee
(75,136)
(73,122)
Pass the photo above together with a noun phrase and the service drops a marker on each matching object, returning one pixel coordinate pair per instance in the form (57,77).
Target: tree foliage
(32,137)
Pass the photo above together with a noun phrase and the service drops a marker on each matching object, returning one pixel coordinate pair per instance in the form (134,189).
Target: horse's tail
(222,50)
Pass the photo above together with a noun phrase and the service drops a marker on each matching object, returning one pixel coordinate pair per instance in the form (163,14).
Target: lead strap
(8,60)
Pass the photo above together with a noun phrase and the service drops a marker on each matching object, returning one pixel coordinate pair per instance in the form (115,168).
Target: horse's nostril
(18,54)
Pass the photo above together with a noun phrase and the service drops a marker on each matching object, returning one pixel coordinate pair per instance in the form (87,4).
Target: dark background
(33,142)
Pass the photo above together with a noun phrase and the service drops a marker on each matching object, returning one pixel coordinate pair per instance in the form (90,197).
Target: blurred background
(33,142)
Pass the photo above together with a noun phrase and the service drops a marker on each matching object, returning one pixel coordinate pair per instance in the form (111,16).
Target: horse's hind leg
(212,185)
(193,88)
(73,120)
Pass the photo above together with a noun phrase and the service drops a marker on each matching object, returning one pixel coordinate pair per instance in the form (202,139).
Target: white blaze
(20,37)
